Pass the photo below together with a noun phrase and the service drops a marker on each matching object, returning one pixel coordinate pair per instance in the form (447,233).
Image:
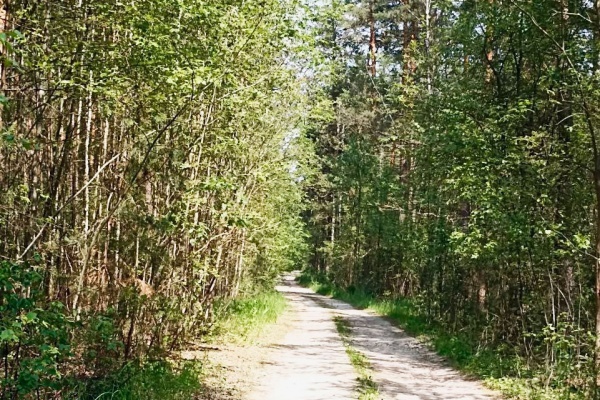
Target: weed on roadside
(152,381)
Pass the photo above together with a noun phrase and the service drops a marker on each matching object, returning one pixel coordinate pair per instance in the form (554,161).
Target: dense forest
(145,161)
(158,156)
(460,166)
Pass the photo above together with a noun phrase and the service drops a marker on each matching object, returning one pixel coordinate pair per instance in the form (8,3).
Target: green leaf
(31,316)
(8,335)
(8,137)
(27,145)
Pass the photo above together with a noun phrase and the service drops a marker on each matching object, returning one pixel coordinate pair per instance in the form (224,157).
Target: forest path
(310,362)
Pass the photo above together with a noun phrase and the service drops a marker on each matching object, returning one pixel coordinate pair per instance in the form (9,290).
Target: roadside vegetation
(168,380)
(240,322)
(244,319)
(149,172)
(459,179)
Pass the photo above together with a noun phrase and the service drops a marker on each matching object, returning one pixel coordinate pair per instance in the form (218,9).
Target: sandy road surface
(403,368)
(310,363)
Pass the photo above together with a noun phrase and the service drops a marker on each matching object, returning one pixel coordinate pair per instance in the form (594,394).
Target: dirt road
(310,362)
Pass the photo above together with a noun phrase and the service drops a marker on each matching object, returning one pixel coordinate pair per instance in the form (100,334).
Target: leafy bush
(34,335)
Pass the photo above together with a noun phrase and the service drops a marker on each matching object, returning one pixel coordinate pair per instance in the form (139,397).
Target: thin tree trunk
(372,41)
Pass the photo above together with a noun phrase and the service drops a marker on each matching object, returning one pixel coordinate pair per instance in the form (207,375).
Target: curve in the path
(403,368)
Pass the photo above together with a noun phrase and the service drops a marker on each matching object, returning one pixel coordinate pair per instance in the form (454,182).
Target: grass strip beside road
(243,320)
(367,387)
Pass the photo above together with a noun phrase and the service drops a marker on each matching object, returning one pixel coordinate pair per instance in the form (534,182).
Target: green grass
(152,381)
(497,367)
(244,320)
(367,387)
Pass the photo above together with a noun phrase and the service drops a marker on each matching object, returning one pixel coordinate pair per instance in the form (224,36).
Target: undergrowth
(153,381)
(243,320)
(496,366)
(240,320)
